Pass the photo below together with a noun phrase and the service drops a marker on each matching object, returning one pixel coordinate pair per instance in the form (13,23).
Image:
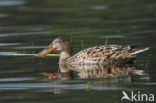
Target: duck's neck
(64,55)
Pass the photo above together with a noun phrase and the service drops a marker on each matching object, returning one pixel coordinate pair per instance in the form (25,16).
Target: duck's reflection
(94,71)
(104,71)
(64,73)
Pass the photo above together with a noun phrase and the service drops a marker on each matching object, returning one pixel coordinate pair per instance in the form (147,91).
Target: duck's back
(99,54)
(105,54)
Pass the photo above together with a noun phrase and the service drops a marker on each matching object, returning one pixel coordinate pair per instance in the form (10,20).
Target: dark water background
(27,26)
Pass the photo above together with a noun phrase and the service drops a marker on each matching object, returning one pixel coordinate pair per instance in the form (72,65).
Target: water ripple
(11,86)
(100,7)
(30,47)
(6,53)
(3,15)
(113,36)
(15,79)
(26,33)
(11,3)
(9,44)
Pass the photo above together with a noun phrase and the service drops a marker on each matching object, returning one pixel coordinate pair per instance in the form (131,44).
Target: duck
(104,54)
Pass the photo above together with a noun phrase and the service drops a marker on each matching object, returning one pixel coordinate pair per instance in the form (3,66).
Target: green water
(27,26)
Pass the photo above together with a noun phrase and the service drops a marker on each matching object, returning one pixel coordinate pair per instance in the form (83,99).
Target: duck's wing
(105,54)
(95,54)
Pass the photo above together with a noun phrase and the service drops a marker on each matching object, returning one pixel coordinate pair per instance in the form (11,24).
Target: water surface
(27,26)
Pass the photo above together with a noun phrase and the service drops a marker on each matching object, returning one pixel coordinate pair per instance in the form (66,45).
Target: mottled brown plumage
(111,54)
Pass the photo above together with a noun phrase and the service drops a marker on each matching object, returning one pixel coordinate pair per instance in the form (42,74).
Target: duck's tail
(139,51)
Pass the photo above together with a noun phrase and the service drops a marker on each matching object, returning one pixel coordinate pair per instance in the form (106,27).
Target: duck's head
(61,44)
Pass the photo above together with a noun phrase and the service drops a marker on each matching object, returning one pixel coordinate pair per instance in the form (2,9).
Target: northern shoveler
(93,55)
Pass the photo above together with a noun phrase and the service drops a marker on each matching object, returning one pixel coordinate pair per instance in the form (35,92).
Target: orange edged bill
(46,51)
